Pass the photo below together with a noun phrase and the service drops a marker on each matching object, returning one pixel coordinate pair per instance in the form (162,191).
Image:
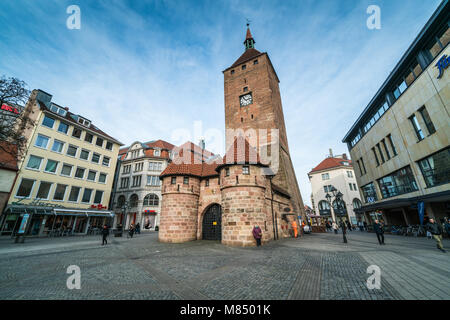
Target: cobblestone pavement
(316,266)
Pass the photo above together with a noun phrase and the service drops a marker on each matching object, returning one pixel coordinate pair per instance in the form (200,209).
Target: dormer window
(59,110)
(81,120)
(84,122)
(157,152)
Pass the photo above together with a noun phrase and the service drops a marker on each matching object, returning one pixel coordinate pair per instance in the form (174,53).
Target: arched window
(341,205)
(134,200)
(151,200)
(120,201)
(324,205)
(357,203)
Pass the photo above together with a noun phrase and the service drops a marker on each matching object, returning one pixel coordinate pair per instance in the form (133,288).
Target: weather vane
(248,22)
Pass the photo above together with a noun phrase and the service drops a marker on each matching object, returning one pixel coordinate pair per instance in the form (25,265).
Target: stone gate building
(223,199)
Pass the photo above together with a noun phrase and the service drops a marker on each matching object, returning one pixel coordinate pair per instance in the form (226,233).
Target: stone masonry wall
(179,210)
(243,206)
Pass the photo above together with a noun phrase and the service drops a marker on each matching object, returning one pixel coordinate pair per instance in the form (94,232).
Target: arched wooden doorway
(212,223)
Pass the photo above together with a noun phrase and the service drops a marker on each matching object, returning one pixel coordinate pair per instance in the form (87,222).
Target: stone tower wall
(179,210)
(243,206)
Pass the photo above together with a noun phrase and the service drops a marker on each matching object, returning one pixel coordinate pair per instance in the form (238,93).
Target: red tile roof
(164,145)
(199,170)
(249,54)
(241,152)
(149,151)
(330,163)
(197,154)
(7,158)
(197,164)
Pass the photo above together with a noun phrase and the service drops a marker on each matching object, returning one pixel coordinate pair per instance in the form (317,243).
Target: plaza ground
(316,266)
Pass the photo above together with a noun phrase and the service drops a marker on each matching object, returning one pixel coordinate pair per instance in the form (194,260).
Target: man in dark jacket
(257,234)
(436,230)
(105,233)
(138,228)
(379,230)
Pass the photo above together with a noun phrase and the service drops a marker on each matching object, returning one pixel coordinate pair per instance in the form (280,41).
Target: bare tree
(13,94)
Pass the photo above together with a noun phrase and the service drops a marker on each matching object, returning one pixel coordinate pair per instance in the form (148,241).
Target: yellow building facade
(65,179)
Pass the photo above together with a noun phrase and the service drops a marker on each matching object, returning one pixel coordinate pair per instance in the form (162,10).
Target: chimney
(344,156)
(331,153)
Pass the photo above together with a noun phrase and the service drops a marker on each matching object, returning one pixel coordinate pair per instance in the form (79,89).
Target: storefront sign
(23,224)
(370,199)
(442,64)
(10,109)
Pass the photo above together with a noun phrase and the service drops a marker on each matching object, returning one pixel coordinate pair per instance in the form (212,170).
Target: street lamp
(337,199)
(124,208)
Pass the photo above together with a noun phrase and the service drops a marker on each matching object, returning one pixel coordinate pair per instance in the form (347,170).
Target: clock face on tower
(246,99)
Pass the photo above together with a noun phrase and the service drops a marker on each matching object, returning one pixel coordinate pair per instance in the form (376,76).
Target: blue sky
(140,70)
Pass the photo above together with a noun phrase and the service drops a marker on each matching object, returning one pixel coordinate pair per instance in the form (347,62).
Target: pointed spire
(249,41)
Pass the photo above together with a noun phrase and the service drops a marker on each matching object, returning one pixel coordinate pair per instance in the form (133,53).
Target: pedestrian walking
(436,231)
(138,228)
(349,226)
(447,227)
(343,227)
(257,234)
(365,225)
(295,228)
(379,230)
(105,233)
(361,225)
(335,227)
(131,231)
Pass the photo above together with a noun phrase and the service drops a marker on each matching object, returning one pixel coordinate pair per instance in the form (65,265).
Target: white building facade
(137,191)
(336,171)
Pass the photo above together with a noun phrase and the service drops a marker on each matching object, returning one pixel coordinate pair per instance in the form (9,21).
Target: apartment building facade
(400,142)
(65,178)
(336,171)
(137,193)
